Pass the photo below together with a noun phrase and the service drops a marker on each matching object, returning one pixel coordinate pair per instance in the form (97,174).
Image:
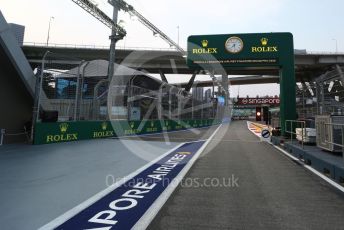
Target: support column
(114,38)
(226,89)
(287,96)
(162,76)
(191,81)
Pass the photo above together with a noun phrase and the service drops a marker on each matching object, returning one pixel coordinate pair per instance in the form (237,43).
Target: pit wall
(55,132)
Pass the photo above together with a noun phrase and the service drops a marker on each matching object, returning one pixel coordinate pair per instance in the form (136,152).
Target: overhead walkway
(268,190)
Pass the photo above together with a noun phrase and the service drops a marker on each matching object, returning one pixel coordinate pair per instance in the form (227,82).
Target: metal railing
(62,45)
(324,53)
(275,122)
(330,126)
(81,93)
(99,47)
(4,132)
(303,126)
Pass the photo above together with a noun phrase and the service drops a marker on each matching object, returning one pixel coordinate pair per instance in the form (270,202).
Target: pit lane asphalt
(273,192)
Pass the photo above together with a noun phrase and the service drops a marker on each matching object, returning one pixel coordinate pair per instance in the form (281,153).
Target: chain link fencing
(72,90)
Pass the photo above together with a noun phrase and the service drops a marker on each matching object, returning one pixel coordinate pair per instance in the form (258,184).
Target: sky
(316,25)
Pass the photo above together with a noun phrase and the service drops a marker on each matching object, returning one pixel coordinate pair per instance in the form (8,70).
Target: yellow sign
(104,133)
(152,129)
(64,136)
(104,126)
(264,48)
(63,127)
(204,43)
(205,49)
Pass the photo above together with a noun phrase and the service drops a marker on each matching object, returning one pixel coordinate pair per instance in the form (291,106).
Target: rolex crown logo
(132,124)
(204,43)
(63,127)
(104,126)
(152,124)
(264,41)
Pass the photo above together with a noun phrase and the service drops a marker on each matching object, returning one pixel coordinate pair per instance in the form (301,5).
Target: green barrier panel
(46,133)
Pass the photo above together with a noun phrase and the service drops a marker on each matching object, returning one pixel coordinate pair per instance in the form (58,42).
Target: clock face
(234,45)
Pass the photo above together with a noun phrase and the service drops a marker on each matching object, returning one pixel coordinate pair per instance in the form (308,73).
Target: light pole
(49,30)
(178,34)
(336,44)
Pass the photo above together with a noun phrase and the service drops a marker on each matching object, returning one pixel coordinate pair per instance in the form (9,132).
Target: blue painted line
(125,205)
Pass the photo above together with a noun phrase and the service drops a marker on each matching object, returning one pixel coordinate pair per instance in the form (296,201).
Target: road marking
(235,140)
(99,213)
(328,180)
(161,137)
(147,218)
(253,129)
(59,220)
(256,128)
(193,129)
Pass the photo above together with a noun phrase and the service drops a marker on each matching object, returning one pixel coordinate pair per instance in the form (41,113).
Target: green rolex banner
(46,133)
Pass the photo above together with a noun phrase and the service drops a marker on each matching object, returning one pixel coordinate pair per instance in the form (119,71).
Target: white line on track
(252,130)
(145,220)
(153,210)
(328,180)
(72,212)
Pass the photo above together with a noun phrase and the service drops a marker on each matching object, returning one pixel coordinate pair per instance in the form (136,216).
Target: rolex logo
(204,43)
(264,48)
(264,41)
(132,124)
(63,127)
(152,124)
(104,126)
(205,49)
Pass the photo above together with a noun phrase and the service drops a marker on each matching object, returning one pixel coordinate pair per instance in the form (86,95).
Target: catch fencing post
(2,133)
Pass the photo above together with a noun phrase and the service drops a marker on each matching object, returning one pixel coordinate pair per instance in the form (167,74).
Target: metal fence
(291,125)
(330,136)
(15,134)
(72,89)
(335,126)
(330,92)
